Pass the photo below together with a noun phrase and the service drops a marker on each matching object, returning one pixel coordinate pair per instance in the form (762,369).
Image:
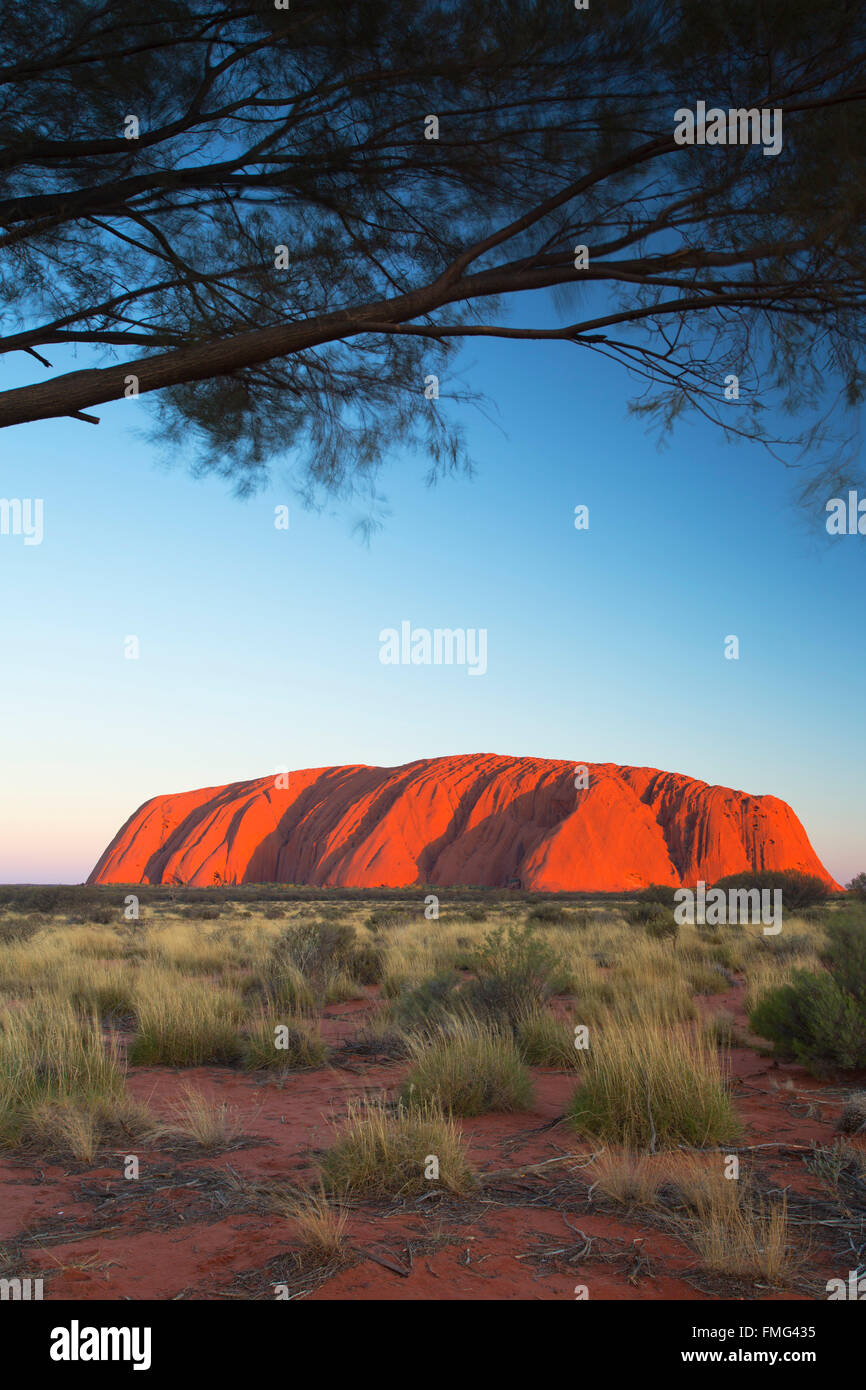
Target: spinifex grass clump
(320,1225)
(625,1176)
(51,1057)
(424,1007)
(183,1022)
(209,1124)
(399,1151)
(547,1041)
(745,1240)
(290,1042)
(470,1069)
(648,1086)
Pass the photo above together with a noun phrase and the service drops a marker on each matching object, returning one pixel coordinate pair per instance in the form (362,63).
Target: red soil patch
(180,1231)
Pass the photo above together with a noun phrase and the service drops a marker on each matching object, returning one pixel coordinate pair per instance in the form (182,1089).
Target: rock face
(479,820)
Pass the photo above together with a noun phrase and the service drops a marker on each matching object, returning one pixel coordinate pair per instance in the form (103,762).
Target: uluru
(471,820)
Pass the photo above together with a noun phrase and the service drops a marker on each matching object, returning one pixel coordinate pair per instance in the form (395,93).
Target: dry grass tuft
(399,1151)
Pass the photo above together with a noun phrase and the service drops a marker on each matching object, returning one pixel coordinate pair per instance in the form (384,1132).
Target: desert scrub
(379,1035)
(183,1022)
(386,1151)
(840,1166)
(304,960)
(547,914)
(819,1019)
(101,987)
(339,987)
(291,1043)
(473,914)
(666,1001)
(546,1041)
(316,947)
(647,1086)
(286,987)
(426,1005)
(48,1053)
(514,969)
(704,976)
(407,963)
(470,1069)
(189,949)
(386,918)
(367,964)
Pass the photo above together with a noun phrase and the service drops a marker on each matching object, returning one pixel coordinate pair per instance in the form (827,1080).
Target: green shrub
(548,915)
(658,893)
(857,887)
(367,965)
(515,971)
(813,1021)
(846,957)
(820,1019)
(657,920)
(798,890)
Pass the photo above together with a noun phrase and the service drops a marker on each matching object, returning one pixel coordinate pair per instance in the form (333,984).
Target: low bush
(514,972)
(548,915)
(657,920)
(798,890)
(820,1019)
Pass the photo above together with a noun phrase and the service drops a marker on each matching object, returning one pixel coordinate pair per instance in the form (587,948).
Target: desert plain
(292,1093)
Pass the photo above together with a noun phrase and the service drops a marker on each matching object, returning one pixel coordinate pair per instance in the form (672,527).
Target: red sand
(178,1232)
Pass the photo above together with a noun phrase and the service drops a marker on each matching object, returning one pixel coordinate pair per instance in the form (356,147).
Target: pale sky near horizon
(259,648)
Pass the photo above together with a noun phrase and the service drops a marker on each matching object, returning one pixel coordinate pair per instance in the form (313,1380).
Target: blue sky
(259,648)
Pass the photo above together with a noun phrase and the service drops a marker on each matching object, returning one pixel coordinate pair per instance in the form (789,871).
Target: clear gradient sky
(260,648)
